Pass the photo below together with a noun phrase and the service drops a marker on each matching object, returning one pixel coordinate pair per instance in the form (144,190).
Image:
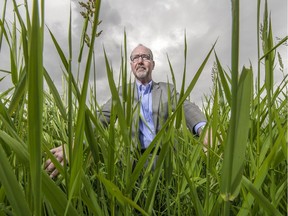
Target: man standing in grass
(153,98)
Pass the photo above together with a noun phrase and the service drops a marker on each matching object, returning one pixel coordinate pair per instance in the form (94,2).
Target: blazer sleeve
(193,114)
(105,113)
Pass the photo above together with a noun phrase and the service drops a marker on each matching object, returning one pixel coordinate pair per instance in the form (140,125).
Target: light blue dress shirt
(146,124)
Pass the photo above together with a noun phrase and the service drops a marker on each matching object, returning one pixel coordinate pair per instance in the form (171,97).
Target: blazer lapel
(135,107)
(156,96)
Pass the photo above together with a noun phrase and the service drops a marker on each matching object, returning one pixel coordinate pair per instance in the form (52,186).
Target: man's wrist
(200,129)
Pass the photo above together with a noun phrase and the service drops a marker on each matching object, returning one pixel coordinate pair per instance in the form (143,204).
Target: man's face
(142,64)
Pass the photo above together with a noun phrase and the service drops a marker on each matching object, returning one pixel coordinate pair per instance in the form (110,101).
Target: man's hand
(49,166)
(207,142)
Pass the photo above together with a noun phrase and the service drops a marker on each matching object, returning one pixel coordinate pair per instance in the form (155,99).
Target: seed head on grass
(88,13)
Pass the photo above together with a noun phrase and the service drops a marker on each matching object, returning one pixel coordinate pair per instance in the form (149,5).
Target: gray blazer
(160,107)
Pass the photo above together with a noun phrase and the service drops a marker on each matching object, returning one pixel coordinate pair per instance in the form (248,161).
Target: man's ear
(153,65)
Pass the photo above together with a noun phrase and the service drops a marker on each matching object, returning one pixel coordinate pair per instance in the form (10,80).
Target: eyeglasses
(145,57)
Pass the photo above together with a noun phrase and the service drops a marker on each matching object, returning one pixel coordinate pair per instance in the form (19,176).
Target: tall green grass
(244,171)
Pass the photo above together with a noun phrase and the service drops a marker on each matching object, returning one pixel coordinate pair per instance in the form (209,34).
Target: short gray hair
(151,53)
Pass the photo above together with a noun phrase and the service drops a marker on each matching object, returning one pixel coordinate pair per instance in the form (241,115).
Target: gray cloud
(161,25)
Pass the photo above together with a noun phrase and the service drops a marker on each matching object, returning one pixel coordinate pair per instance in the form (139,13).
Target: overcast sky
(160,25)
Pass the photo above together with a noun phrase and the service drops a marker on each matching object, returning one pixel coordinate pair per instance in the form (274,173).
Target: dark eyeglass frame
(144,57)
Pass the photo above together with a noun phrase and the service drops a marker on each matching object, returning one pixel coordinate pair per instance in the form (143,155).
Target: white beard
(141,74)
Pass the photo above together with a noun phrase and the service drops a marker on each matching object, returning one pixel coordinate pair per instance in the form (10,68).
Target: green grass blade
(56,197)
(112,146)
(4,114)
(13,56)
(224,82)
(117,103)
(179,115)
(12,189)
(3,21)
(226,189)
(263,201)
(156,174)
(281,42)
(18,94)
(194,196)
(59,50)
(55,94)
(70,89)
(4,32)
(51,191)
(91,198)
(124,71)
(17,146)
(196,77)
(262,172)
(24,32)
(234,152)
(83,35)
(115,192)
(35,106)
(91,138)
(77,154)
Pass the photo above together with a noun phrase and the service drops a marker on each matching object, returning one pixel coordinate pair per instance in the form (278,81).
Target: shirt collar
(147,86)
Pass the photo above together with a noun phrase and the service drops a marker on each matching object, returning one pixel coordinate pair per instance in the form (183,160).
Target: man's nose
(140,59)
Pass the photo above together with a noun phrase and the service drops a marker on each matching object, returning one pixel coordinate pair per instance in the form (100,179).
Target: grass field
(244,172)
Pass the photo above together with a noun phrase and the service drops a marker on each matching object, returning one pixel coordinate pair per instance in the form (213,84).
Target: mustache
(140,66)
